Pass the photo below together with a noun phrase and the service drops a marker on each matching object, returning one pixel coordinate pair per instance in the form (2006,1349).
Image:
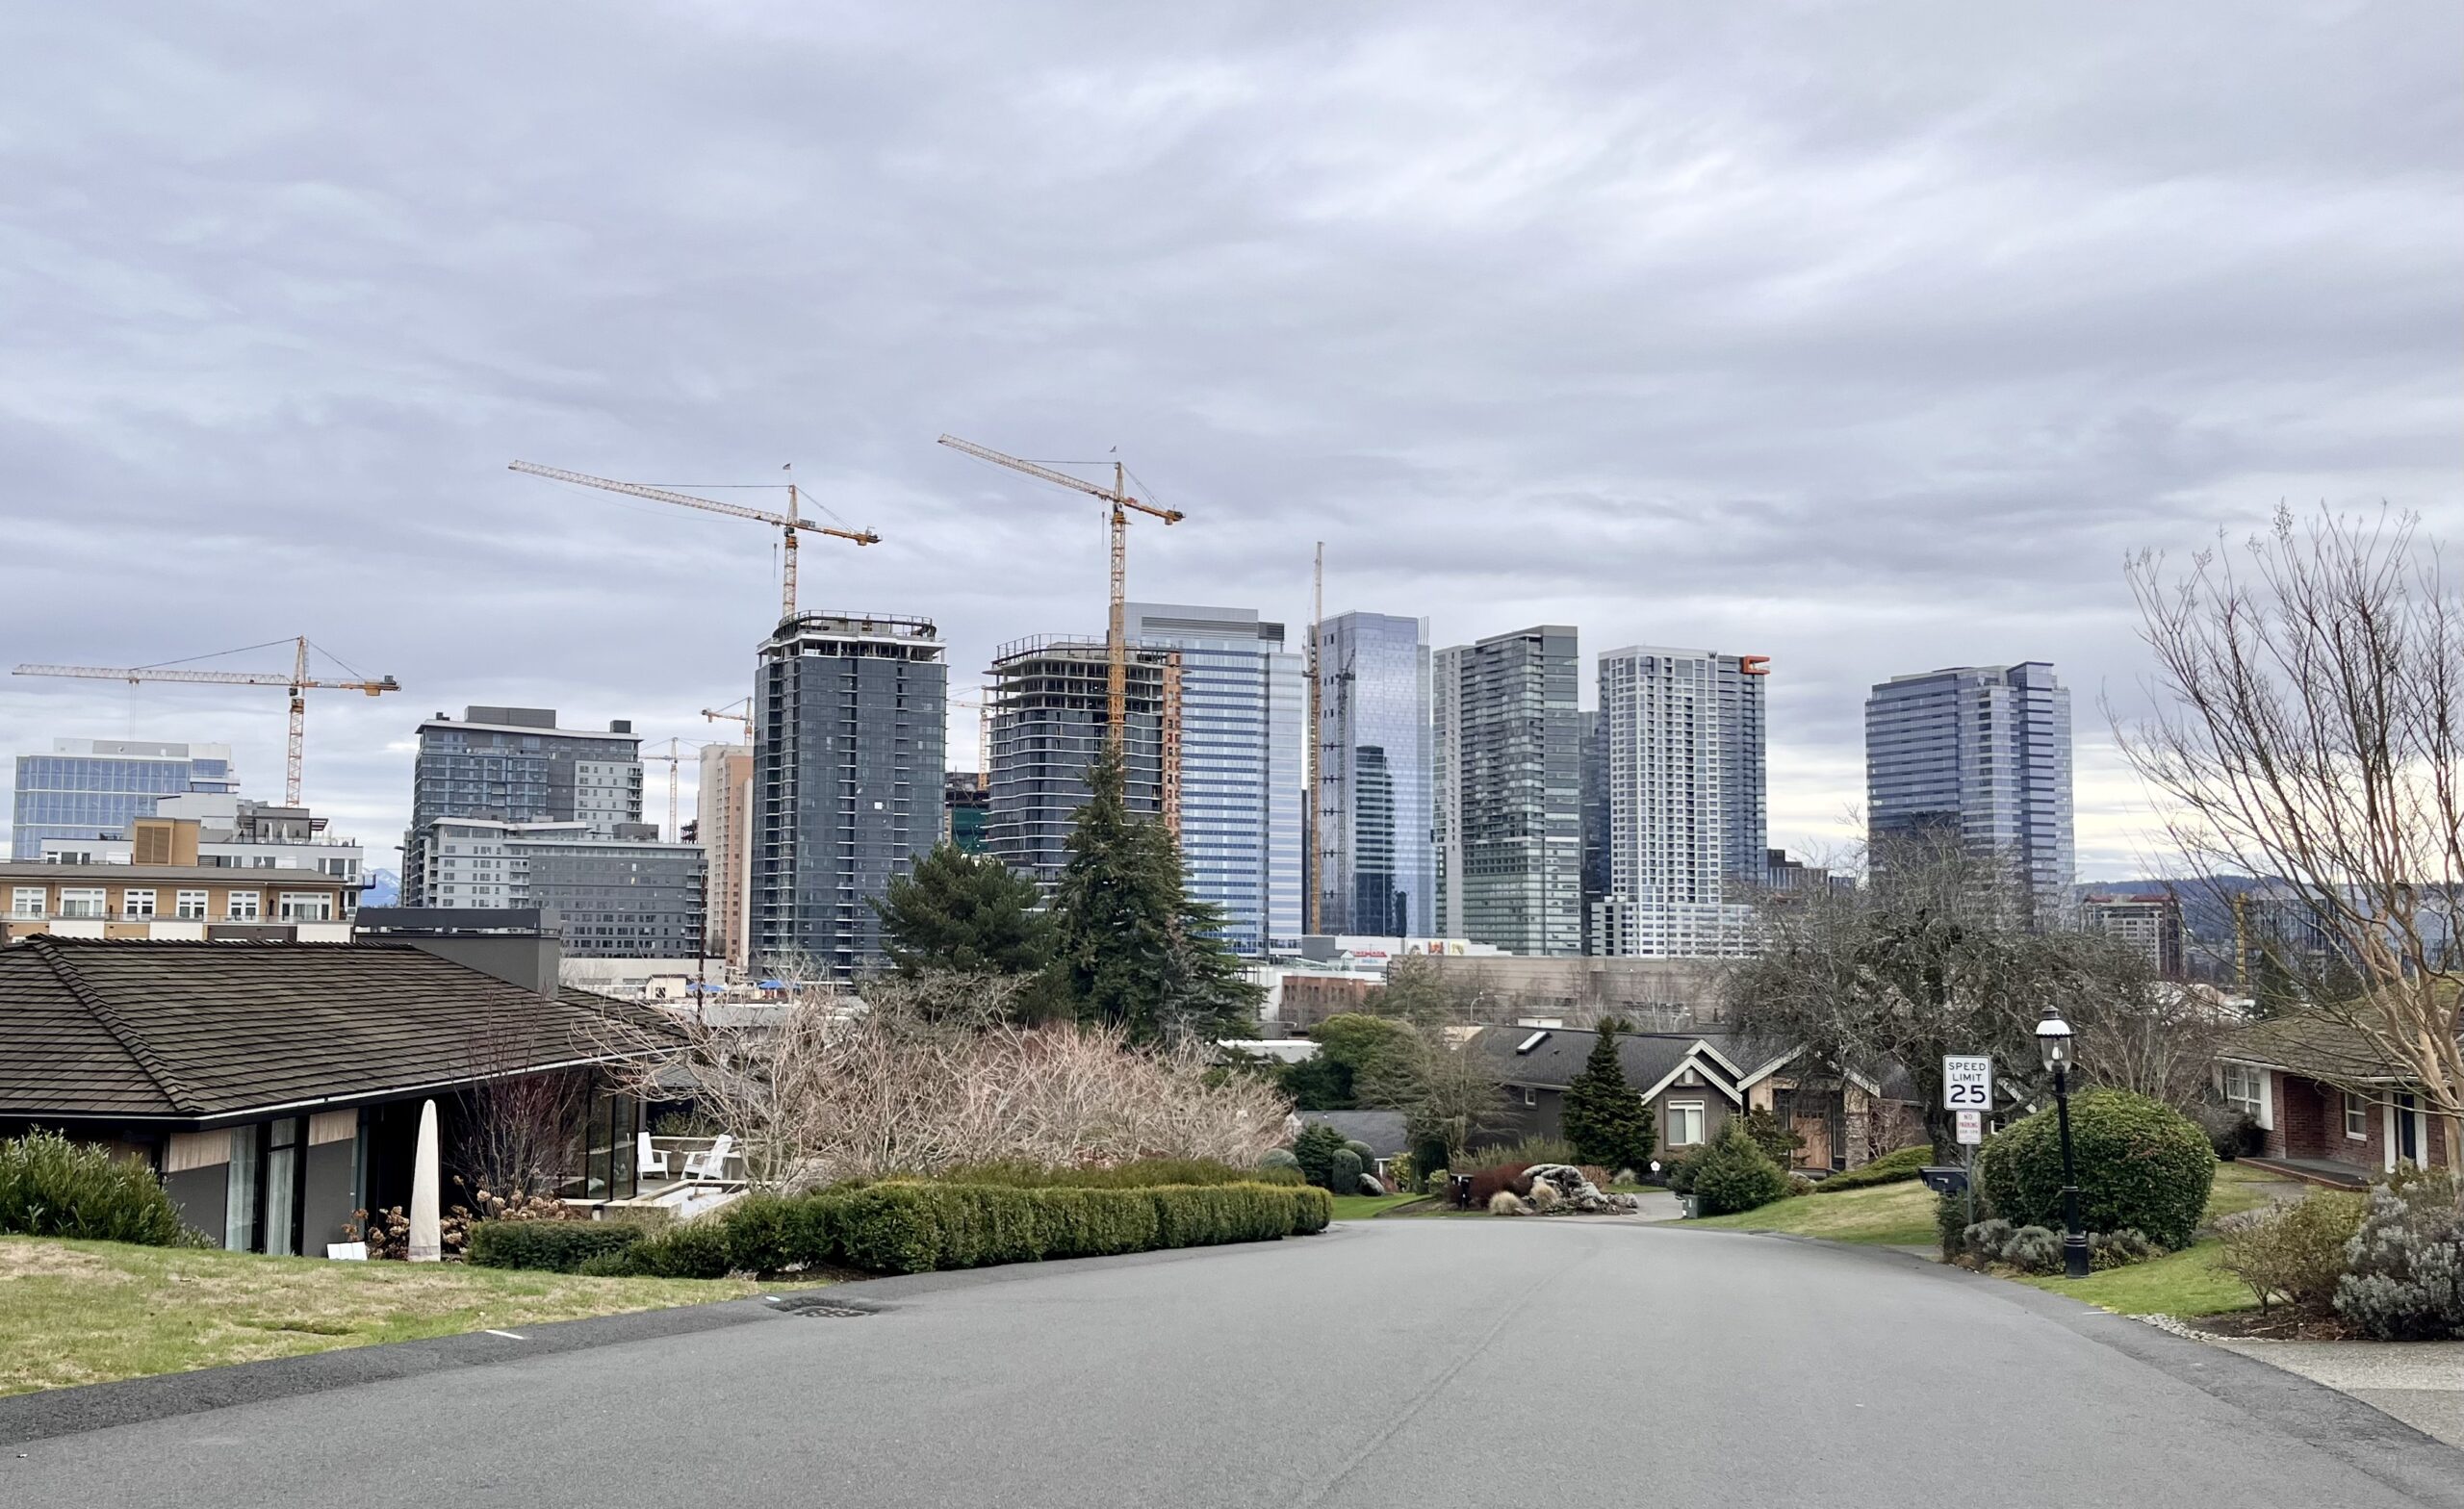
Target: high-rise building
(1684,736)
(1508,746)
(1445,785)
(84,788)
(1243,738)
(966,803)
(621,894)
(1049,714)
(1376,874)
(848,755)
(1595,824)
(1980,753)
(2148,921)
(723,826)
(514,765)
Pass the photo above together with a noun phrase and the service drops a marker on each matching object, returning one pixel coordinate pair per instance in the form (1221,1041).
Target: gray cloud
(1871,339)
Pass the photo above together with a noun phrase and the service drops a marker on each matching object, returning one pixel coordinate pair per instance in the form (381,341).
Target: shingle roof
(1647,1057)
(1383,1131)
(191,1030)
(2316,1047)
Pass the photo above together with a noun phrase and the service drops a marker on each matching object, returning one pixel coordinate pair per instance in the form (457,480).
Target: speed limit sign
(1967,1082)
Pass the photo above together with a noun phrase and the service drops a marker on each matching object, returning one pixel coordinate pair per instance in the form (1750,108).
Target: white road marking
(507,1335)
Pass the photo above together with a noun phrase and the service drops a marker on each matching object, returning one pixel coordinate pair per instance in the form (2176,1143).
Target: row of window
(92,902)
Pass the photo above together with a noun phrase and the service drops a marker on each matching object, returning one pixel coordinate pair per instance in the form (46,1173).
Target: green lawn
(88,1311)
(1361,1207)
(1886,1215)
(2185,1283)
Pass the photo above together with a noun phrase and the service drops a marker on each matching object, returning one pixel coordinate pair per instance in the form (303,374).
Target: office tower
(1243,738)
(966,803)
(1377,875)
(514,765)
(2148,921)
(847,782)
(623,893)
(1595,823)
(1981,754)
(1508,739)
(1445,787)
(723,826)
(87,787)
(1684,756)
(1049,714)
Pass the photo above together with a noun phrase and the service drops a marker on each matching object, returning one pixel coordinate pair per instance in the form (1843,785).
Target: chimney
(520,945)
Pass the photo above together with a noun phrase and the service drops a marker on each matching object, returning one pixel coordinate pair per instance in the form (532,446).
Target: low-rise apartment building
(190,901)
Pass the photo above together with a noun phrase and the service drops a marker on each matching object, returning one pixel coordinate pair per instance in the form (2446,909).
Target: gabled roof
(192,1031)
(2315,1047)
(1383,1131)
(1548,1057)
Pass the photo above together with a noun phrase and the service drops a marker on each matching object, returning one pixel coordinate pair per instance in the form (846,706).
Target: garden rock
(1574,1194)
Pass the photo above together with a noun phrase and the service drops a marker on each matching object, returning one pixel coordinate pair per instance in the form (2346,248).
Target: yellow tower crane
(299,681)
(786,524)
(1116,639)
(723,715)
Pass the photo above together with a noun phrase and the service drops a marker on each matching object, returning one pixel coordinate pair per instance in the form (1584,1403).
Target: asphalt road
(1419,1363)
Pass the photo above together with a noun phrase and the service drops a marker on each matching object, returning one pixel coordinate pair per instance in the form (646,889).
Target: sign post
(1968,1092)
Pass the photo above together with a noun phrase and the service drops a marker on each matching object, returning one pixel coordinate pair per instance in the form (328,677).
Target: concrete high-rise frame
(1507,745)
(1982,753)
(850,726)
(1683,760)
(1376,874)
(1049,717)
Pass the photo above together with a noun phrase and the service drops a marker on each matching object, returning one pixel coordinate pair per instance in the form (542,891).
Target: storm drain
(817,1307)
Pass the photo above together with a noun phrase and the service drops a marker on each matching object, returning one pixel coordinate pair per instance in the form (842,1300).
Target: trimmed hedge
(2141,1165)
(919,1228)
(1896,1167)
(51,1187)
(1145,1173)
(555,1246)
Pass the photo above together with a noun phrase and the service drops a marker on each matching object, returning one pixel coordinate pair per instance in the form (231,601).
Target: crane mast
(1118,498)
(1314,868)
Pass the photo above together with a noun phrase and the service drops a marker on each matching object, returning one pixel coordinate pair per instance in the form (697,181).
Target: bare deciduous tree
(2310,728)
(519,1129)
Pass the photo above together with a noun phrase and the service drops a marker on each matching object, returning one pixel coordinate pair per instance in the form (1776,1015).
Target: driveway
(1422,1363)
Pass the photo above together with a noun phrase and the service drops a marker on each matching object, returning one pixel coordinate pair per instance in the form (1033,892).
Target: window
(81,901)
(1531,1097)
(136,904)
(242,905)
(307,906)
(1684,1124)
(190,904)
(2244,1090)
(28,901)
(2356,1117)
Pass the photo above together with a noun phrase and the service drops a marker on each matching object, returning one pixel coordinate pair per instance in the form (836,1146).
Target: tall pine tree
(1133,950)
(963,912)
(1605,1120)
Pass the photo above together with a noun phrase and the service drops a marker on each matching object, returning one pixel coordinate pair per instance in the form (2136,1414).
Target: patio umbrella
(426,1240)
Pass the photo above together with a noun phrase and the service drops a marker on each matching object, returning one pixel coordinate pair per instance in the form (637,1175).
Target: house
(277,1087)
(2326,1103)
(1383,1132)
(1695,1082)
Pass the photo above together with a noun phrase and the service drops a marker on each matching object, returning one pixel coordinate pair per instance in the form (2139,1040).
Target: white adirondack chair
(713,1165)
(647,1160)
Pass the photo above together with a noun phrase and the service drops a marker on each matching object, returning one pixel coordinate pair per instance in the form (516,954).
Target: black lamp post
(2053,1041)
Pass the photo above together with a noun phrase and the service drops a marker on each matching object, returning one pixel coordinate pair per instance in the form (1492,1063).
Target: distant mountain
(384,888)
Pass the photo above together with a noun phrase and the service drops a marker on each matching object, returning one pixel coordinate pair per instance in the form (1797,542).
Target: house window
(81,901)
(2356,1117)
(1684,1124)
(2244,1089)
(190,904)
(1531,1097)
(307,906)
(136,904)
(28,901)
(242,907)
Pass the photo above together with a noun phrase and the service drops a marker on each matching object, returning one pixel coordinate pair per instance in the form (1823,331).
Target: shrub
(1505,1202)
(2404,1268)
(1361,1150)
(1734,1173)
(1984,1241)
(2119,1249)
(1799,1183)
(1778,1141)
(1523,1153)
(1343,1175)
(687,1249)
(2141,1165)
(1315,1150)
(1544,1196)
(51,1187)
(1892,1167)
(555,1246)
(2231,1133)
(2032,1249)
(2293,1250)
(1145,1173)
(1279,1158)
(1402,1174)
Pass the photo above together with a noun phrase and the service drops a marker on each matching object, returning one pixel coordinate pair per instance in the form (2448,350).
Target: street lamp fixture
(2053,1043)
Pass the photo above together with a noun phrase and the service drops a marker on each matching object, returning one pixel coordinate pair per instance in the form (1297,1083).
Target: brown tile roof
(190,1031)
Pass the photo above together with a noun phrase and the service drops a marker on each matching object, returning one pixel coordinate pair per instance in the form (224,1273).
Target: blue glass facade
(1509,800)
(1376,867)
(1242,742)
(86,789)
(1982,752)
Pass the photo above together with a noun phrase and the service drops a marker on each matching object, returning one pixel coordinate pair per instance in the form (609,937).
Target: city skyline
(1660,340)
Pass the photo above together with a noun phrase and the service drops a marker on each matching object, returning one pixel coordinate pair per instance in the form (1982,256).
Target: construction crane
(1116,639)
(674,757)
(981,703)
(1317,757)
(299,681)
(786,524)
(723,715)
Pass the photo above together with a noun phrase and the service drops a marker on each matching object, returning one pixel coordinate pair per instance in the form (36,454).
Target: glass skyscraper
(1242,707)
(1377,872)
(1683,767)
(1509,791)
(89,788)
(1982,753)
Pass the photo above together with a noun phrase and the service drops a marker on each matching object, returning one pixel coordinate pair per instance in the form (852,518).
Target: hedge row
(915,1228)
(1145,1173)
(1907,1162)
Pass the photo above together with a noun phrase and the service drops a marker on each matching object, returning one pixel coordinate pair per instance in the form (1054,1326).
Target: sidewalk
(2421,1383)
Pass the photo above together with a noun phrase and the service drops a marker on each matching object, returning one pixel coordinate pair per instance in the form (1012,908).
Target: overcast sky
(1868,338)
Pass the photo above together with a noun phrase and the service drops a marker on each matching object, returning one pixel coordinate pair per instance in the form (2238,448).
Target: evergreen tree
(1134,951)
(964,913)
(1605,1120)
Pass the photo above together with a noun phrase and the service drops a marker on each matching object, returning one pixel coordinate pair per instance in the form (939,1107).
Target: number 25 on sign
(1967,1082)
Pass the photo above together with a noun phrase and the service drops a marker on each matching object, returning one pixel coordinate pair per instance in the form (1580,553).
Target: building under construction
(1050,718)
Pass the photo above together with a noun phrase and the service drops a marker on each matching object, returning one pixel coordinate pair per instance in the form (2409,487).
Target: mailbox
(1944,1179)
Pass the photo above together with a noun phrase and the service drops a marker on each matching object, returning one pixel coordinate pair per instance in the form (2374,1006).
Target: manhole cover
(816,1307)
